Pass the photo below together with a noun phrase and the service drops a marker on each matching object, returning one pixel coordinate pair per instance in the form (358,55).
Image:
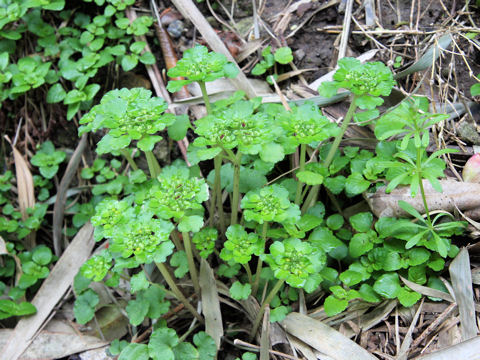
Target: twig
(238,342)
(346,30)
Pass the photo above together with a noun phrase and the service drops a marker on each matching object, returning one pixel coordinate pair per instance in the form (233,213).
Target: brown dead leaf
(455,193)
(26,195)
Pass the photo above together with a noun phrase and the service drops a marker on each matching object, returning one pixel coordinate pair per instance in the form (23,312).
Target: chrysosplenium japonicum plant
(249,211)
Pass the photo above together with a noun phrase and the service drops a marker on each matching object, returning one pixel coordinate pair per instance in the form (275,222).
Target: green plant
(281,56)
(249,212)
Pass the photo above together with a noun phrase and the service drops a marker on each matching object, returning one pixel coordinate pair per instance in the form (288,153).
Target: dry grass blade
(427,291)
(55,345)
(265,337)
(51,292)
(467,350)
(191,12)
(211,303)
(302,347)
(59,207)
(347,20)
(3,247)
(323,338)
(462,287)
(26,195)
(407,341)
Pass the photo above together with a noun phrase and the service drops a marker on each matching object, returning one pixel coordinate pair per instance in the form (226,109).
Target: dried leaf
(462,287)
(464,350)
(323,338)
(454,193)
(210,303)
(51,292)
(54,345)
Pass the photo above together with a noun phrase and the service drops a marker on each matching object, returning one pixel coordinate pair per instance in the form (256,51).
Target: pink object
(471,170)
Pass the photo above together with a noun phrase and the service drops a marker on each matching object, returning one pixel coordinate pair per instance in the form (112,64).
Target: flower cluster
(177,192)
(130,114)
(197,64)
(295,261)
(204,241)
(141,237)
(109,214)
(241,245)
(236,126)
(305,124)
(269,203)
(96,268)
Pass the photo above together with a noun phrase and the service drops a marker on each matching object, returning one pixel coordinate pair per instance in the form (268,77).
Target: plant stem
(260,262)
(236,188)
(203,88)
(171,283)
(249,273)
(191,261)
(153,165)
(303,153)
(267,301)
(176,240)
(422,190)
(129,158)
(217,193)
(343,128)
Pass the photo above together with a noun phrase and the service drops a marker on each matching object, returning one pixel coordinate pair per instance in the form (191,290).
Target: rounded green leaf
(42,255)
(387,285)
(334,306)
(56,93)
(361,222)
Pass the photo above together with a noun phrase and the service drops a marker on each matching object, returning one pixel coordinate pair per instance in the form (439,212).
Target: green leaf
(74,96)
(368,294)
(137,47)
(148,142)
(137,310)
(475,89)
(84,308)
(387,285)
(360,244)
(147,58)
(186,351)
(56,93)
(205,345)
(190,223)
(178,130)
(361,222)
(180,261)
(356,184)
(161,344)
(238,291)
(42,255)
(335,221)
(310,178)
(278,314)
(272,153)
(134,352)
(334,306)
(335,184)
(138,282)
(129,62)
(164,250)
(407,297)
(283,55)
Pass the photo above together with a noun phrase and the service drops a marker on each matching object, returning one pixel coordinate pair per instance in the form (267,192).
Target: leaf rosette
(240,245)
(305,124)
(109,214)
(237,125)
(129,114)
(269,203)
(177,193)
(367,81)
(96,268)
(295,261)
(198,64)
(145,238)
(204,241)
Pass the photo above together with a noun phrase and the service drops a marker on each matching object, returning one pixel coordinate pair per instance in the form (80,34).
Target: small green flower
(269,203)
(204,241)
(305,124)
(130,114)
(141,237)
(367,81)
(177,192)
(109,214)
(237,125)
(97,266)
(197,64)
(295,261)
(241,245)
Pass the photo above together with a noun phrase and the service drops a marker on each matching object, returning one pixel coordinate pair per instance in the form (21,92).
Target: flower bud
(471,170)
